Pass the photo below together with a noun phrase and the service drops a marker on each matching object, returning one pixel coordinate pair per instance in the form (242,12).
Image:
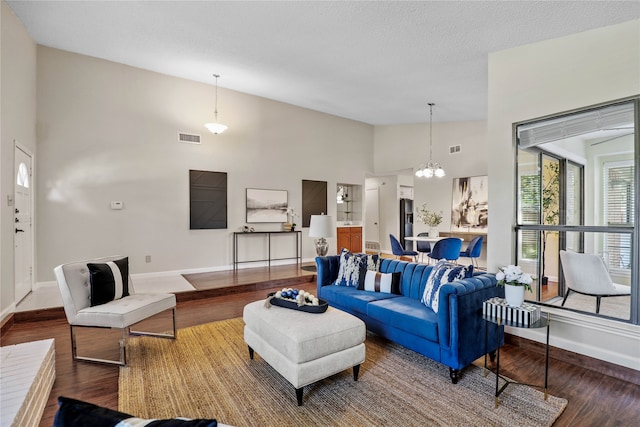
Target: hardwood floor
(594,398)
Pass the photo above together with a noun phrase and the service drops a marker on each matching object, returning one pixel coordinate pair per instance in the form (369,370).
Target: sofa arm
(460,324)
(328,267)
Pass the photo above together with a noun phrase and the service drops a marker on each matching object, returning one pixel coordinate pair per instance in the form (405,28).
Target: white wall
(543,79)
(108,132)
(400,147)
(18,112)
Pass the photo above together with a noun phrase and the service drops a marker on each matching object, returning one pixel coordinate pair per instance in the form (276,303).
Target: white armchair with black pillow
(99,294)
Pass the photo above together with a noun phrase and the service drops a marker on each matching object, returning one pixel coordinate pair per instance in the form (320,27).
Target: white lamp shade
(216,128)
(321,226)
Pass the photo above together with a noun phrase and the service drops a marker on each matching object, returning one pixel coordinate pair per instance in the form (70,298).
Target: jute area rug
(207,373)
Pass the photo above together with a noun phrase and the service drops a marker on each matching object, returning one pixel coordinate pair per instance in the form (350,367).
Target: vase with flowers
(515,283)
(431,218)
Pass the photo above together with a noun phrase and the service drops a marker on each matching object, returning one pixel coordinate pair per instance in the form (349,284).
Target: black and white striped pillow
(382,282)
(109,280)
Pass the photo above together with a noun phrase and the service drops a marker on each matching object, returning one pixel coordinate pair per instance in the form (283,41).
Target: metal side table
(543,322)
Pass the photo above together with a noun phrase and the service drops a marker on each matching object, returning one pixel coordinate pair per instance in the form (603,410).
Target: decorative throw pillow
(372,262)
(72,412)
(352,269)
(381,282)
(443,272)
(109,281)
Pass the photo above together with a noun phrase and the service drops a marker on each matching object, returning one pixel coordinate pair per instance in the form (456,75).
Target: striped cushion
(382,282)
(109,281)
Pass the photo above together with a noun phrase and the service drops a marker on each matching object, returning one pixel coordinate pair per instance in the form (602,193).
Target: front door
(23,255)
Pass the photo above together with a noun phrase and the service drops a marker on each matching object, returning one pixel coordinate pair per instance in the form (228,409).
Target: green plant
(431,218)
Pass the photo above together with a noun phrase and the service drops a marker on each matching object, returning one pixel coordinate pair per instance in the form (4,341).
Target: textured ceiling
(376,62)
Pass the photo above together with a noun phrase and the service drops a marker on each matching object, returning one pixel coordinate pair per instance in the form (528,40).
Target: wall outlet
(147,258)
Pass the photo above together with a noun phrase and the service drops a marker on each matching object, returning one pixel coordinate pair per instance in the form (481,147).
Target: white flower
(514,276)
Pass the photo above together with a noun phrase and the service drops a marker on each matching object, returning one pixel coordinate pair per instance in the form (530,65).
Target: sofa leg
(455,375)
(299,392)
(356,371)
(492,356)
(250,353)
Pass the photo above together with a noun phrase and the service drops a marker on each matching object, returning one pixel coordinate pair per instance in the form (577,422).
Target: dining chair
(474,248)
(398,250)
(423,247)
(447,248)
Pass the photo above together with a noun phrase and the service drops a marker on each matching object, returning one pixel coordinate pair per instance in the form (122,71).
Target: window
(23,176)
(618,208)
(576,191)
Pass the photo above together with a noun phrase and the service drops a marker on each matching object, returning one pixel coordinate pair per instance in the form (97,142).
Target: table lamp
(321,227)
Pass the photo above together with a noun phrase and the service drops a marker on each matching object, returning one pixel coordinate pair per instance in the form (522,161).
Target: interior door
(372,216)
(23,255)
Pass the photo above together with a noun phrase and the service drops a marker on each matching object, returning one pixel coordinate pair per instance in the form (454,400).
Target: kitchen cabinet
(350,238)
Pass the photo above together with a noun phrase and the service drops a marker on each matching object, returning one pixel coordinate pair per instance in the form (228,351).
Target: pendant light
(216,127)
(431,168)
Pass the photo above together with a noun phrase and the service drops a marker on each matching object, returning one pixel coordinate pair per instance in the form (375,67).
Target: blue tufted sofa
(454,336)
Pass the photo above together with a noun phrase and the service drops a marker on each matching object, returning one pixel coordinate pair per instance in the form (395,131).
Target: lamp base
(322,246)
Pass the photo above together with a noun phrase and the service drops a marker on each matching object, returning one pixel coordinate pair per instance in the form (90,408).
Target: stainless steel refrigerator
(406,223)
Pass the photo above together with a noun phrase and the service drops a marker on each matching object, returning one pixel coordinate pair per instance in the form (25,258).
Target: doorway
(23,231)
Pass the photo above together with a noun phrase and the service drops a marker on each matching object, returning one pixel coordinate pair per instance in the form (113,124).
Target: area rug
(207,373)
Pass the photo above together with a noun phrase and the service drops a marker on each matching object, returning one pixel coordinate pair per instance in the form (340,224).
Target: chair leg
(565,296)
(123,342)
(172,335)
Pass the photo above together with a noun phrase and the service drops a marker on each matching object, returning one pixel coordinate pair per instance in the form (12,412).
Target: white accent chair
(587,274)
(73,282)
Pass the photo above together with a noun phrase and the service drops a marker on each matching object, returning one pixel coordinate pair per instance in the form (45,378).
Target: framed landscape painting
(470,204)
(267,205)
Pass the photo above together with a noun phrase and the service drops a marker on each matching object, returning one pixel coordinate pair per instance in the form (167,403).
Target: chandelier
(216,127)
(431,168)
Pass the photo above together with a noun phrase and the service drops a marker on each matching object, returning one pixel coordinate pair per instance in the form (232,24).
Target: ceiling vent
(188,138)
(454,149)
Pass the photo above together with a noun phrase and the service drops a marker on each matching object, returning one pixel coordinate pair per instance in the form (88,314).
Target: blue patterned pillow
(352,269)
(442,273)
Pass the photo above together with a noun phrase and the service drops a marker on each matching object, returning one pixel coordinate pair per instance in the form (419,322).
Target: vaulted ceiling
(375,62)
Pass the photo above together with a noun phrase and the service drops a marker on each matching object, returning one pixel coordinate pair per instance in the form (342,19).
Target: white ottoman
(304,347)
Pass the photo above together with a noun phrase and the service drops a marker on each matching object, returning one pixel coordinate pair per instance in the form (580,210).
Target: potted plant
(431,218)
(515,282)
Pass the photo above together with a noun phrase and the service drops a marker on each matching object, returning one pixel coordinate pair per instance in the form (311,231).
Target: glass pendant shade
(216,128)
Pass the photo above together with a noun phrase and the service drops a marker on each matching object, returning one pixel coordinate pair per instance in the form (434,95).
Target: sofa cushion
(109,281)
(406,314)
(353,268)
(442,273)
(354,299)
(381,282)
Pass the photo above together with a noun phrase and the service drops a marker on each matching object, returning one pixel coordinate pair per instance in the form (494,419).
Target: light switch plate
(116,205)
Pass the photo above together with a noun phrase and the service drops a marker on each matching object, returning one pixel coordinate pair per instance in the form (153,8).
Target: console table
(268,234)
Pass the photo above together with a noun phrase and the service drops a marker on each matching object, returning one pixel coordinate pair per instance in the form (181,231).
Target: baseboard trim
(606,368)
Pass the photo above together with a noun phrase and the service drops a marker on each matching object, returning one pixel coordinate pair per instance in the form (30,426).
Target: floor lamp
(321,227)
